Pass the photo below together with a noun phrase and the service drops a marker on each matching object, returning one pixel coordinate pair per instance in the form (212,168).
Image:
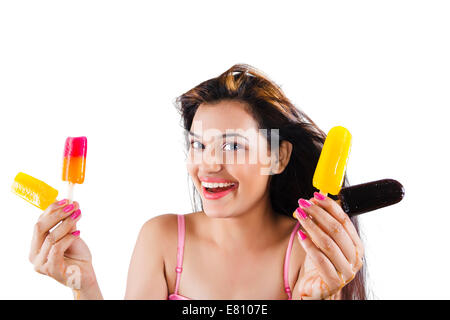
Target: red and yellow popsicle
(74,163)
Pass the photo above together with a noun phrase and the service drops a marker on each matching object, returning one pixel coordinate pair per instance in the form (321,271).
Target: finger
(41,258)
(50,218)
(40,228)
(68,225)
(334,209)
(323,265)
(331,226)
(324,242)
(55,264)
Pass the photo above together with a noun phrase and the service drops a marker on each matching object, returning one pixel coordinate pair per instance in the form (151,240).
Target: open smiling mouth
(217,192)
(220,189)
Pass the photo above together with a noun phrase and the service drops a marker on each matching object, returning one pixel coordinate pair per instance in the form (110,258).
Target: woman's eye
(196,145)
(234,146)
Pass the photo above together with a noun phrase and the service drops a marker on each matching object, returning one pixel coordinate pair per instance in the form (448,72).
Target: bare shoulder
(160,224)
(146,277)
(162,230)
(165,223)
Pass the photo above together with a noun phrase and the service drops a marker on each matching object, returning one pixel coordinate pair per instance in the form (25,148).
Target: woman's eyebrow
(223,135)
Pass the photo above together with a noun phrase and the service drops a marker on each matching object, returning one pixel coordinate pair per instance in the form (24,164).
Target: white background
(111,70)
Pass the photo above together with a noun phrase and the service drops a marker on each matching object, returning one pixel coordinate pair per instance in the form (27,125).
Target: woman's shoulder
(162,222)
(160,233)
(164,225)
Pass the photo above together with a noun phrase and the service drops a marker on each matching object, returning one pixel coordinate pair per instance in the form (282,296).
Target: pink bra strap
(287,288)
(180,249)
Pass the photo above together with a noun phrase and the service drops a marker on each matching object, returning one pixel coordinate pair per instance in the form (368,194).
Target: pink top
(180,249)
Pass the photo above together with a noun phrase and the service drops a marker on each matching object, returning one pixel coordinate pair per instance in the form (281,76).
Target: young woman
(243,242)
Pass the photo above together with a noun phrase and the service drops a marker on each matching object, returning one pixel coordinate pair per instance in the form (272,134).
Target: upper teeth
(216,185)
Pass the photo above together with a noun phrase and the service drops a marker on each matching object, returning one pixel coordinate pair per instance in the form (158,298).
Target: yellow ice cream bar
(332,163)
(34,191)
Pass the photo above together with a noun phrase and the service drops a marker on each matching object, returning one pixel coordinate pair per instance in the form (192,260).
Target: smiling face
(226,147)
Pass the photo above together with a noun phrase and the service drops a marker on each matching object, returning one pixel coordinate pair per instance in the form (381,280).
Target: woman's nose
(212,160)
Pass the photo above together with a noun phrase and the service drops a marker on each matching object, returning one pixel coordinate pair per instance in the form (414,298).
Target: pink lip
(215,196)
(217,180)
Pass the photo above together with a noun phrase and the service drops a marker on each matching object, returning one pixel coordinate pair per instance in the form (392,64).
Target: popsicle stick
(70,192)
(76,294)
(323,193)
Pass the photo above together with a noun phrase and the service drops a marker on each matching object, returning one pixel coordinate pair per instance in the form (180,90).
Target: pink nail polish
(319,196)
(76,233)
(62,202)
(301,234)
(301,213)
(68,208)
(304,203)
(76,214)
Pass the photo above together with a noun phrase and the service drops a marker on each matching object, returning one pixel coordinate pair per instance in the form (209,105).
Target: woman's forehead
(223,116)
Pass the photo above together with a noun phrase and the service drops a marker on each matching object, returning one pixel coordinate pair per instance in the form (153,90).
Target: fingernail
(304,203)
(76,233)
(301,234)
(68,208)
(301,213)
(62,202)
(76,214)
(319,196)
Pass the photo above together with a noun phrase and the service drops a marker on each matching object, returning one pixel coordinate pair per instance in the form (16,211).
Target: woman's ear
(282,158)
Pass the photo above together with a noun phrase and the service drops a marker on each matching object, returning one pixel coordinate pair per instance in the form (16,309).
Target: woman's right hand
(60,253)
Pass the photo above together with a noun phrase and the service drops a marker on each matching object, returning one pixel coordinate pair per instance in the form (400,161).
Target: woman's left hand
(333,249)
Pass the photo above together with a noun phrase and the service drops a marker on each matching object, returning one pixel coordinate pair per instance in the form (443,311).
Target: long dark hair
(271,109)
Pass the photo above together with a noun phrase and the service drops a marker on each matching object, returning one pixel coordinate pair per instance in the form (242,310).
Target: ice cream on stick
(74,167)
(370,196)
(74,163)
(35,191)
(329,176)
(330,169)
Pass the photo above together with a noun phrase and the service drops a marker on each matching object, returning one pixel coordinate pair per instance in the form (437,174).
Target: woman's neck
(254,229)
